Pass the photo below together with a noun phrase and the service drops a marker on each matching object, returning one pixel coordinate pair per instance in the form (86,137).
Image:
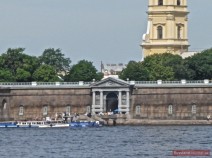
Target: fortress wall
(56,100)
(154,102)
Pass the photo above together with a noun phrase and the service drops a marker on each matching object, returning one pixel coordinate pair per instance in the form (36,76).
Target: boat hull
(54,126)
(34,124)
(8,125)
(85,124)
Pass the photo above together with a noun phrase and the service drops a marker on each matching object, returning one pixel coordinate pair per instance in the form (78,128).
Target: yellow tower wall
(172,18)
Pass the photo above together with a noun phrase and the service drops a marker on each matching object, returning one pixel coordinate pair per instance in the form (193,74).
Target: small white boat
(53,124)
(24,124)
(41,124)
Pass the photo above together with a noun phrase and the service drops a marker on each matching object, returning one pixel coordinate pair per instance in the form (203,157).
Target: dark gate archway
(111,102)
(3,110)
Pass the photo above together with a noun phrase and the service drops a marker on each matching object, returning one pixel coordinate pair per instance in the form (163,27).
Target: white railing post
(206,81)
(34,83)
(183,81)
(132,82)
(81,83)
(159,81)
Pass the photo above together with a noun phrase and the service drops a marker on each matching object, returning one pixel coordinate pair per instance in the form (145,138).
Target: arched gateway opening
(111,102)
(3,110)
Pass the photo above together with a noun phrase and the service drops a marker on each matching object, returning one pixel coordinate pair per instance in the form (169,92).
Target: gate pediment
(111,82)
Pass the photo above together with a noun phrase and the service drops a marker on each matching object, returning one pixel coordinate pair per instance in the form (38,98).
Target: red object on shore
(191,152)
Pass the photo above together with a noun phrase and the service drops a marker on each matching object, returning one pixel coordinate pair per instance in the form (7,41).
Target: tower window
(179,32)
(160,32)
(160,2)
(178,2)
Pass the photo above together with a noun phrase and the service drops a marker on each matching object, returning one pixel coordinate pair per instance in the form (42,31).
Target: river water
(103,142)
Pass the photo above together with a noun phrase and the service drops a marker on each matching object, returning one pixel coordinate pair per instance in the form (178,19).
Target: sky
(95,30)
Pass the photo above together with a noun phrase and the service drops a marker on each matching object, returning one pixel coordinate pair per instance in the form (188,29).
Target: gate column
(128,102)
(119,103)
(101,101)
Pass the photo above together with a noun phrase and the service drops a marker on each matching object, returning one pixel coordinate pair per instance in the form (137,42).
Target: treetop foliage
(56,59)
(83,71)
(170,67)
(52,66)
(201,65)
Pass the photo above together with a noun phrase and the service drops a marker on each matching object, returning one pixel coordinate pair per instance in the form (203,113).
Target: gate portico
(105,88)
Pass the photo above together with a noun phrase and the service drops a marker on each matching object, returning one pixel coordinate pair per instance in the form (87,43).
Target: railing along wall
(44,84)
(182,82)
(87,84)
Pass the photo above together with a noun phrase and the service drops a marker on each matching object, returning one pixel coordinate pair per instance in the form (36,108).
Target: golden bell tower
(167,27)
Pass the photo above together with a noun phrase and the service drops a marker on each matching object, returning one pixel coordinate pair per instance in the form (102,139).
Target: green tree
(12,59)
(160,72)
(22,75)
(56,59)
(15,59)
(200,64)
(134,71)
(163,66)
(82,71)
(30,63)
(6,76)
(183,72)
(45,73)
(99,76)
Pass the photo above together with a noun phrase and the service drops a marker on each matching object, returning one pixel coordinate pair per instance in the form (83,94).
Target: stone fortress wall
(34,100)
(162,102)
(172,102)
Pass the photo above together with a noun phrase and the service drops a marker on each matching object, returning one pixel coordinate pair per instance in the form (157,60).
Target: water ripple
(114,142)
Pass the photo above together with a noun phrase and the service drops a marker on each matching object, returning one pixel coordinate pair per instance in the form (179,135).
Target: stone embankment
(120,119)
(86,118)
(166,122)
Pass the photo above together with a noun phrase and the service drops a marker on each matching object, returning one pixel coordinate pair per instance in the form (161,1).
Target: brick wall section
(154,102)
(33,101)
